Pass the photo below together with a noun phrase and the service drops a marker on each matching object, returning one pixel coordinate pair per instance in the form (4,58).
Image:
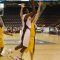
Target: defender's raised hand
(40,3)
(22,5)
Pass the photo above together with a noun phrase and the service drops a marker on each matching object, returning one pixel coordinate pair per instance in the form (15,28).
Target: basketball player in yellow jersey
(31,46)
(1,38)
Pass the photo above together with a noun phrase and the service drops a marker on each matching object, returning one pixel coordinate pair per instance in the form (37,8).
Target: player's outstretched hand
(22,5)
(40,3)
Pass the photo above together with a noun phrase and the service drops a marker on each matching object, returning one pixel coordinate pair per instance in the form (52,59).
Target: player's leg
(25,41)
(1,49)
(21,43)
(32,52)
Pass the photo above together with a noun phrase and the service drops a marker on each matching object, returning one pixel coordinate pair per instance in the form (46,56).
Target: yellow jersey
(32,38)
(1,37)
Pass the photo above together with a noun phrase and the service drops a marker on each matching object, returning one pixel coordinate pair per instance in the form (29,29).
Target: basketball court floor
(47,47)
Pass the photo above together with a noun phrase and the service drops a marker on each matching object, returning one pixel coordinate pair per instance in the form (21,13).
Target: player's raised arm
(21,11)
(38,12)
(33,7)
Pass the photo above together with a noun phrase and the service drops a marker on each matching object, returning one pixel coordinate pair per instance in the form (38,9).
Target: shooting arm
(37,15)
(21,13)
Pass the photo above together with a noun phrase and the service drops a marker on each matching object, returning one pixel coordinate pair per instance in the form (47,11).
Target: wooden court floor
(42,51)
